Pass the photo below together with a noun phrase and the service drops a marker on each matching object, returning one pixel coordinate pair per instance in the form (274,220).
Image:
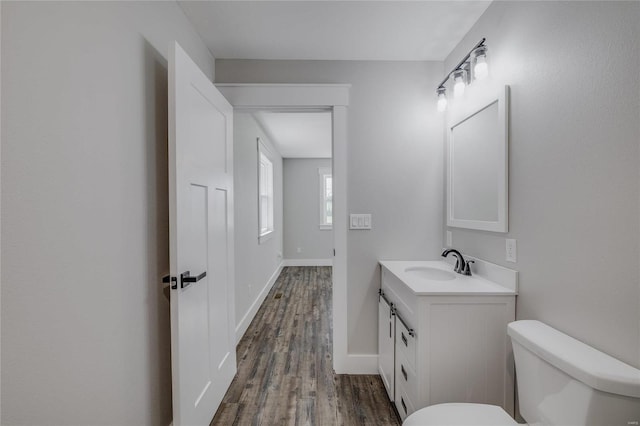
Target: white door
(203,358)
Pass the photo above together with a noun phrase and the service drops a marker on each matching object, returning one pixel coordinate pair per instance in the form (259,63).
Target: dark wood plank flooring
(285,374)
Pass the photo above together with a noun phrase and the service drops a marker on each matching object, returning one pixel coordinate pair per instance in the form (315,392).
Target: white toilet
(561,381)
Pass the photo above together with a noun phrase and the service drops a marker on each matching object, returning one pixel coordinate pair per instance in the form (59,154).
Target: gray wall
(85,327)
(395,160)
(302,210)
(574,160)
(255,263)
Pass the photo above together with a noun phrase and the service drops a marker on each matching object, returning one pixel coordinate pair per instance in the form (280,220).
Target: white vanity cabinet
(451,341)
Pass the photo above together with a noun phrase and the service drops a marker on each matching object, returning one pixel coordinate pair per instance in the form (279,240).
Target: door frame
(334,97)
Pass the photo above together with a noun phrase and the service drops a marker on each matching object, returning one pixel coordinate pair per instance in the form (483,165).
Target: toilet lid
(460,414)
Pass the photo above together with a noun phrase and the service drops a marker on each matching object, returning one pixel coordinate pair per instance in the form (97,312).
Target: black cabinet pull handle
(186,279)
(404,339)
(403,405)
(404,372)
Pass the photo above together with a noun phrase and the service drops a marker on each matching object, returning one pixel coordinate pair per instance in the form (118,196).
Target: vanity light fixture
(461,73)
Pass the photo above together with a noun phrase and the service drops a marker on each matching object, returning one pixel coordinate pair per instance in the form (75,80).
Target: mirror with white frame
(477,166)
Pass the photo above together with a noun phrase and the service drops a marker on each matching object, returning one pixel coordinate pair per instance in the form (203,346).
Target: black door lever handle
(186,279)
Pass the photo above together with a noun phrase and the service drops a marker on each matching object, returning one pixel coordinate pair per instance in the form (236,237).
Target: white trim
(265,159)
(244,323)
(285,85)
(285,95)
(265,237)
(336,98)
(322,173)
(307,262)
(341,363)
(361,364)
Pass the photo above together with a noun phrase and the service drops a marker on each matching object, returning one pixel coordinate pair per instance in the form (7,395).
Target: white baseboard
(358,364)
(307,262)
(242,326)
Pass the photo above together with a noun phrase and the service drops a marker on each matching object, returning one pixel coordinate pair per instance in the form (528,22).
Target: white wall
(85,327)
(395,158)
(257,265)
(302,210)
(574,161)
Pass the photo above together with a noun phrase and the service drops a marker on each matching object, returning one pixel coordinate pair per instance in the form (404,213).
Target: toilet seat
(460,414)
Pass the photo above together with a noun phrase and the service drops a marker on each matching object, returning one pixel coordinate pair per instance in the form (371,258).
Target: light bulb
(481,68)
(442,100)
(459,81)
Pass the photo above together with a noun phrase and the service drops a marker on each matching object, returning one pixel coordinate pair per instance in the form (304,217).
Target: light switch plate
(512,250)
(359,221)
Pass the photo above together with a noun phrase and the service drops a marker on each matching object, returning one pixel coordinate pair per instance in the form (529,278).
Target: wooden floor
(285,374)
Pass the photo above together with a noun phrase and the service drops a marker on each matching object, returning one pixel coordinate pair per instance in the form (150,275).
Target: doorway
(303,139)
(277,210)
(334,97)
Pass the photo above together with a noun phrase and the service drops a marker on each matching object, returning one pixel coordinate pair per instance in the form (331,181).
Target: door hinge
(169,279)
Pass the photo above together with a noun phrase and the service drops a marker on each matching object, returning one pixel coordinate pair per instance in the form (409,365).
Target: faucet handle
(467,269)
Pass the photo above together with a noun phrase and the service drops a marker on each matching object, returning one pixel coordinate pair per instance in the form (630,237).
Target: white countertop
(461,285)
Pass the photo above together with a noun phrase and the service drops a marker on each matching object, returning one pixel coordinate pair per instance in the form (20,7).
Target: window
(265,193)
(326,198)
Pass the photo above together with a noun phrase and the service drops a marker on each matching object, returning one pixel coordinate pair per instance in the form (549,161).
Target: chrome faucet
(461,267)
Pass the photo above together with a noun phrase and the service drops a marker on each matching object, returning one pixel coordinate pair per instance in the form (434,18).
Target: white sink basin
(428,273)
(436,277)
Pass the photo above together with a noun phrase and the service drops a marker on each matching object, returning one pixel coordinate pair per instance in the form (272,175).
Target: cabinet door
(386,338)
(469,351)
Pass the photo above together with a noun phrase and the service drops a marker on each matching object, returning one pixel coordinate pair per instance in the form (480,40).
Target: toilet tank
(562,381)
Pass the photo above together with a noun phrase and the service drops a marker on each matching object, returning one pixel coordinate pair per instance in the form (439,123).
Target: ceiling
(333,30)
(327,30)
(298,134)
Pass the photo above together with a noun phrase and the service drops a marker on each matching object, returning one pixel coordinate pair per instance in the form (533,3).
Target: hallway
(285,373)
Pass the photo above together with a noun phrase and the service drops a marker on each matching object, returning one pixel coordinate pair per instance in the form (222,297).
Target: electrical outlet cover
(512,252)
